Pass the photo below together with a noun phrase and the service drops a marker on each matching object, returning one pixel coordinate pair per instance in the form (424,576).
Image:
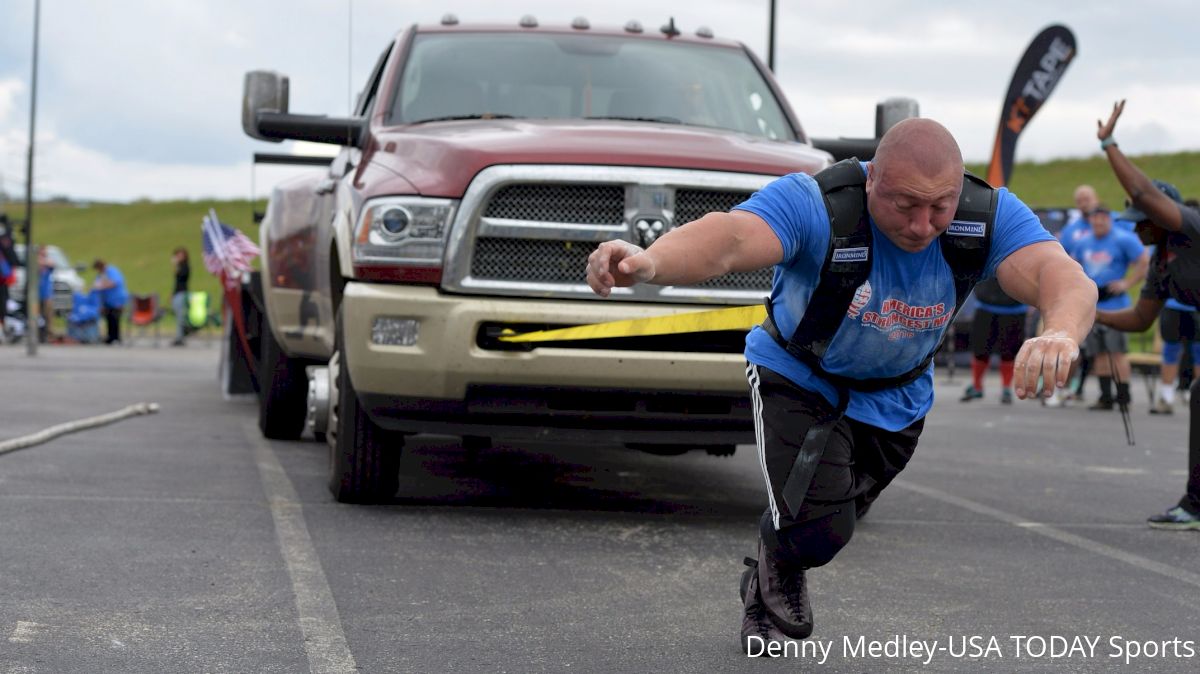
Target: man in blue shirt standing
(849,441)
(1107,254)
(113,298)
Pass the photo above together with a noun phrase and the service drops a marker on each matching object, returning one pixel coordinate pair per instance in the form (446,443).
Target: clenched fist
(618,264)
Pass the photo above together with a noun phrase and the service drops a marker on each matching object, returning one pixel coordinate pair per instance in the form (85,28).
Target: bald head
(1086,198)
(920,145)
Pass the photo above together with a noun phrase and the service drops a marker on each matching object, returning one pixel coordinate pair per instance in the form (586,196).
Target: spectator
(8,269)
(1176,323)
(1107,255)
(1074,231)
(998,327)
(45,293)
(1174,230)
(179,296)
(113,298)
(1069,236)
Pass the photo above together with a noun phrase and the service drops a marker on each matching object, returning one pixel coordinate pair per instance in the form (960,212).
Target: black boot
(755,621)
(784,595)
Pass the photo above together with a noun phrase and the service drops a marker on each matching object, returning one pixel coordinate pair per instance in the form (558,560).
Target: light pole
(771,39)
(31,266)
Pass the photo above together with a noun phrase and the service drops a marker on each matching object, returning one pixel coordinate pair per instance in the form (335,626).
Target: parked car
(66,278)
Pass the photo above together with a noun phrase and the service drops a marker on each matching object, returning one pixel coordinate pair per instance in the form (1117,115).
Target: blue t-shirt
(1074,231)
(897,316)
(116,296)
(45,283)
(1107,259)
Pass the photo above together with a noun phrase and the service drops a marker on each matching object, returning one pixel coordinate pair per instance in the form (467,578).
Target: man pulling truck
(840,376)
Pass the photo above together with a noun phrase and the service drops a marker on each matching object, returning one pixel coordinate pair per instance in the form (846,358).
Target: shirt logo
(966,228)
(850,254)
(861,297)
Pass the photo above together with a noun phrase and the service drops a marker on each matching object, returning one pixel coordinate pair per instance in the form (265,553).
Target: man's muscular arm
(1042,275)
(716,244)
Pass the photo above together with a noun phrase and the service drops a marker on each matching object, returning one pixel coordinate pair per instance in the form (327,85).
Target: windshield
(464,76)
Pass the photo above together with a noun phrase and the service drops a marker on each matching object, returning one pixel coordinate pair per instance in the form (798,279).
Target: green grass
(138,238)
(1053,183)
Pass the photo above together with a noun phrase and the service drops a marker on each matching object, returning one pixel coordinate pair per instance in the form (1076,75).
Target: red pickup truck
(481,167)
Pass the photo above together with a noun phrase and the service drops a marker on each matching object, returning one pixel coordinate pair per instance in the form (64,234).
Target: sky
(142,99)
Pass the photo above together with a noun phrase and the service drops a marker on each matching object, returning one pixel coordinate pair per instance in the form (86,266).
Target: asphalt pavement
(184,542)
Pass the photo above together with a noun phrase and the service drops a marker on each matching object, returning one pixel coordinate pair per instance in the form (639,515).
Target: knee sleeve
(1171,353)
(814,542)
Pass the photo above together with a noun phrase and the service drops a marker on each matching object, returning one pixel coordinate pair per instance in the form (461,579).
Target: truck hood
(440,158)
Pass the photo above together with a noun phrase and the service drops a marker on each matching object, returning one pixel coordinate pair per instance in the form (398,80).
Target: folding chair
(145,313)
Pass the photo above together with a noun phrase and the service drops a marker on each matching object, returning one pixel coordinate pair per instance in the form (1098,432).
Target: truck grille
(527,230)
(567,203)
(531,260)
(693,204)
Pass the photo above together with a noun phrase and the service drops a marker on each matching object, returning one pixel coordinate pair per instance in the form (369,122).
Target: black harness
(965,245)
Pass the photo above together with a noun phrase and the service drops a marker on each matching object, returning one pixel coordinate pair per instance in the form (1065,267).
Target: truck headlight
(402,238)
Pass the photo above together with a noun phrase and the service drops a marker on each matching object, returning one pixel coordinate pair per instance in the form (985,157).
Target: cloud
(143,99)
(10,90)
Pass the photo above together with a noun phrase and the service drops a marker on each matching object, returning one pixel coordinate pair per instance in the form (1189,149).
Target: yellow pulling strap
(733,318)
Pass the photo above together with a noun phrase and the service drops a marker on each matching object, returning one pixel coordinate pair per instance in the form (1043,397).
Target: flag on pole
(227,251)
(227,255)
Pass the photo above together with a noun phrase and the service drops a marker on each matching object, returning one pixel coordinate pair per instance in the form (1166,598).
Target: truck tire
(282,389)
(364,459)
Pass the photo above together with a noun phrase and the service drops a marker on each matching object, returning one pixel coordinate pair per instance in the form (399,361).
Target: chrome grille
(527,230)
(531,260)
(567,203)
(742,280)
(692,204)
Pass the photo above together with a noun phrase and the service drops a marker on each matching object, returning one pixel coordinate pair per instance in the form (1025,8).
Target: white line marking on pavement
(24,632)
(1056,534)
(1112,470)
(324,641)
(76,426)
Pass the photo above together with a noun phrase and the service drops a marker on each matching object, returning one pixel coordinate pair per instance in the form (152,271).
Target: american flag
(227,252)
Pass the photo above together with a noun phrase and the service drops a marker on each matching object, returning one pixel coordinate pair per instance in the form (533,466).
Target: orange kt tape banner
(1035,77)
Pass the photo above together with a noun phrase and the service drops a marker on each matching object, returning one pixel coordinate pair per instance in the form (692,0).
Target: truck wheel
(282,390)
(364,459)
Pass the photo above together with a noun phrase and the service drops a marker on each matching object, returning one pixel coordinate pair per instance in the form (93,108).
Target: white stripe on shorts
(757,407)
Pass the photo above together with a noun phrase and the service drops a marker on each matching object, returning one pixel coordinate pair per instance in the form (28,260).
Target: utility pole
(31,257)
(771,39)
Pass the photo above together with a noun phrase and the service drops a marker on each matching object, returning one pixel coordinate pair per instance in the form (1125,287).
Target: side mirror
(892,110)
(887,113)
(263,90)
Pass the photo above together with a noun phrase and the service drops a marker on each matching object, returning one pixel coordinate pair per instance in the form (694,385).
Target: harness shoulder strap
(968,240)
(847,260)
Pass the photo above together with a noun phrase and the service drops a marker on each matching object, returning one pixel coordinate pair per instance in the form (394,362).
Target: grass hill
(1053,183)
(139,237)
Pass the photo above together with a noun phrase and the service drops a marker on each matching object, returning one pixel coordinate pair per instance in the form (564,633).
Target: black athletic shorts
(1176,325)
(858,462)
(997,333)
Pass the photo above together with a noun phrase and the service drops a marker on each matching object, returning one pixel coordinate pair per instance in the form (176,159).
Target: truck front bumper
(454,380)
